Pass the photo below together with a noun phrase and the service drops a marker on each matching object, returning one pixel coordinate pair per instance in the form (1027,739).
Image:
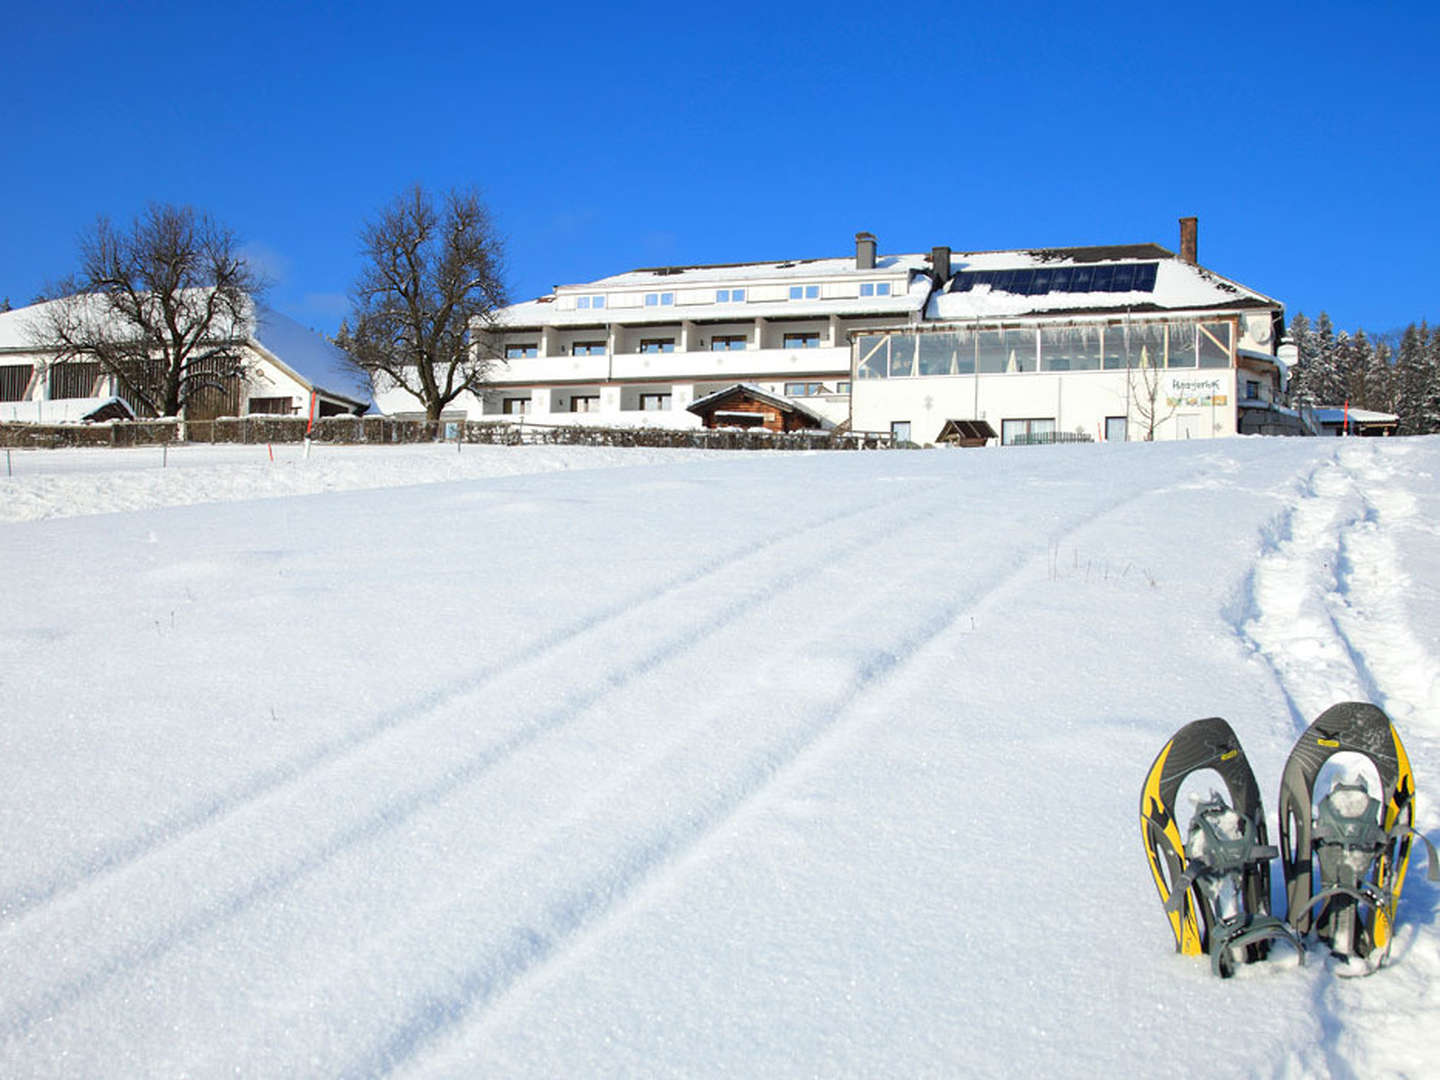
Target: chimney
(940,264)
(1189,240)
(864,251)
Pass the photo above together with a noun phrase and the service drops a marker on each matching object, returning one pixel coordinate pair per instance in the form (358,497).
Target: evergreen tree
(1380,381)
(1411,365)
(1428,414)
(1303,338)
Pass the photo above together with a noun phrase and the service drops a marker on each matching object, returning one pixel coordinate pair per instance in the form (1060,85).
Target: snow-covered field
(569,762)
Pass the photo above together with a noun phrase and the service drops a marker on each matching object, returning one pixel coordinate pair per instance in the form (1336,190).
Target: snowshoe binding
(1357,846)
(1214,883)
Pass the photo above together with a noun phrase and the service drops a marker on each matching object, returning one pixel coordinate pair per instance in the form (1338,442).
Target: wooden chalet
(746,405)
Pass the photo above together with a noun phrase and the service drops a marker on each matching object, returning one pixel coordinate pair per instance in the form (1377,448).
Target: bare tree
(164,307)
(429,290)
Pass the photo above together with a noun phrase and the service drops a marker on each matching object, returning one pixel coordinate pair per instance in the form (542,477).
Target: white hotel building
(1099,342)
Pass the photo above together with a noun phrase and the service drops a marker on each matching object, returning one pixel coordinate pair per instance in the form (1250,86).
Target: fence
(374,430)
(1051,438)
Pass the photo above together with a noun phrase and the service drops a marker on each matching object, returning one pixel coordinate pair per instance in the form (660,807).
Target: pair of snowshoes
(1214,881)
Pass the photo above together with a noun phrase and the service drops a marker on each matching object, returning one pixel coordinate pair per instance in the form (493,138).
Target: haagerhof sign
(1191,390)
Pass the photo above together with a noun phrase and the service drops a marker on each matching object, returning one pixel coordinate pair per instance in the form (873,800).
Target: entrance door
(1114,429)
(1187,426)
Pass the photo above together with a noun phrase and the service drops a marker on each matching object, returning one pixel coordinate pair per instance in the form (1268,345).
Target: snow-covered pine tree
(1429,412)
(1412,374)
(1380,382)
(1303,338)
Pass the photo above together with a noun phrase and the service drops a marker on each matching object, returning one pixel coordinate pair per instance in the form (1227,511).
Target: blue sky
(610,137)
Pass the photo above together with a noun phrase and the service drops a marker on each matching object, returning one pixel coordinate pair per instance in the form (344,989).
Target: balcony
(697,364)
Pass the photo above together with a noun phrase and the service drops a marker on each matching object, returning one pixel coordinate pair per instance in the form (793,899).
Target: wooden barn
(746,405)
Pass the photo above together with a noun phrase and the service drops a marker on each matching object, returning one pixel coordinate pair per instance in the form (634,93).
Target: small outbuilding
(746,405)
(966,433)
(1338,420)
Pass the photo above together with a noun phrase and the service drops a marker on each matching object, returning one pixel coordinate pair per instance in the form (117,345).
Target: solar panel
(1037,281)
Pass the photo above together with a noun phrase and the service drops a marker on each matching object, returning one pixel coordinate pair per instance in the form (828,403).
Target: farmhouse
(1091,343)
(287,367)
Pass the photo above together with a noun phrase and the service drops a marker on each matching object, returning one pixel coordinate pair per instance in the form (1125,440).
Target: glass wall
(1017,350)
(947,354)
(1070,348)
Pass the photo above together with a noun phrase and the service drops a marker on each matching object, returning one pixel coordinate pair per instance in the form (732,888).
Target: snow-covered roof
(1335,414)
(18,325)
(1164,282)
(1059,280)
(724,273)
(306,354)
(909,288)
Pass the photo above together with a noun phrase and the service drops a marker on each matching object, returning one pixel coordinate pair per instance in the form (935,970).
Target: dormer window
(875,288)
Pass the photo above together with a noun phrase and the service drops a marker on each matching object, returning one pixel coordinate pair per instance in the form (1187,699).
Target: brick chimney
(940,264)
(864,251)
(1190,240)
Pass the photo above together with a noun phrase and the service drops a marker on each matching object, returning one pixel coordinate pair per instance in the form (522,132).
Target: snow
(1179,286)
(308,354)
(584,762)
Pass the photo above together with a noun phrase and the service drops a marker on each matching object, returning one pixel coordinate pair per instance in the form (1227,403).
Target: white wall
(1076,401)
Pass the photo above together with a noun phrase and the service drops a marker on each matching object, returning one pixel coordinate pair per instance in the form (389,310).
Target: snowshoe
(1214,883)
(1357,845)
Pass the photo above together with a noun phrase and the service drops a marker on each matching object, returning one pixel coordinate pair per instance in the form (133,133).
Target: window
(663,299)
(585,403)
(521,351)
(14,378)
(804,389)
(515,406)
(804,292)
(729,296)
(900,430)
(657,344)
(875,288)
(588,348)
(1029,432)
(808,340)
(1114,429)
(842,387)
(1252,390)
(72,380)
(590,302)
(270,406)
(1214,345)
(654,402)
(727,342)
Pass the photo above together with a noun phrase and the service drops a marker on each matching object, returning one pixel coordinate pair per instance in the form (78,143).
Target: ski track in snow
(21,901)
(1328,614)
(598,881)
(655,862)
(435,708)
